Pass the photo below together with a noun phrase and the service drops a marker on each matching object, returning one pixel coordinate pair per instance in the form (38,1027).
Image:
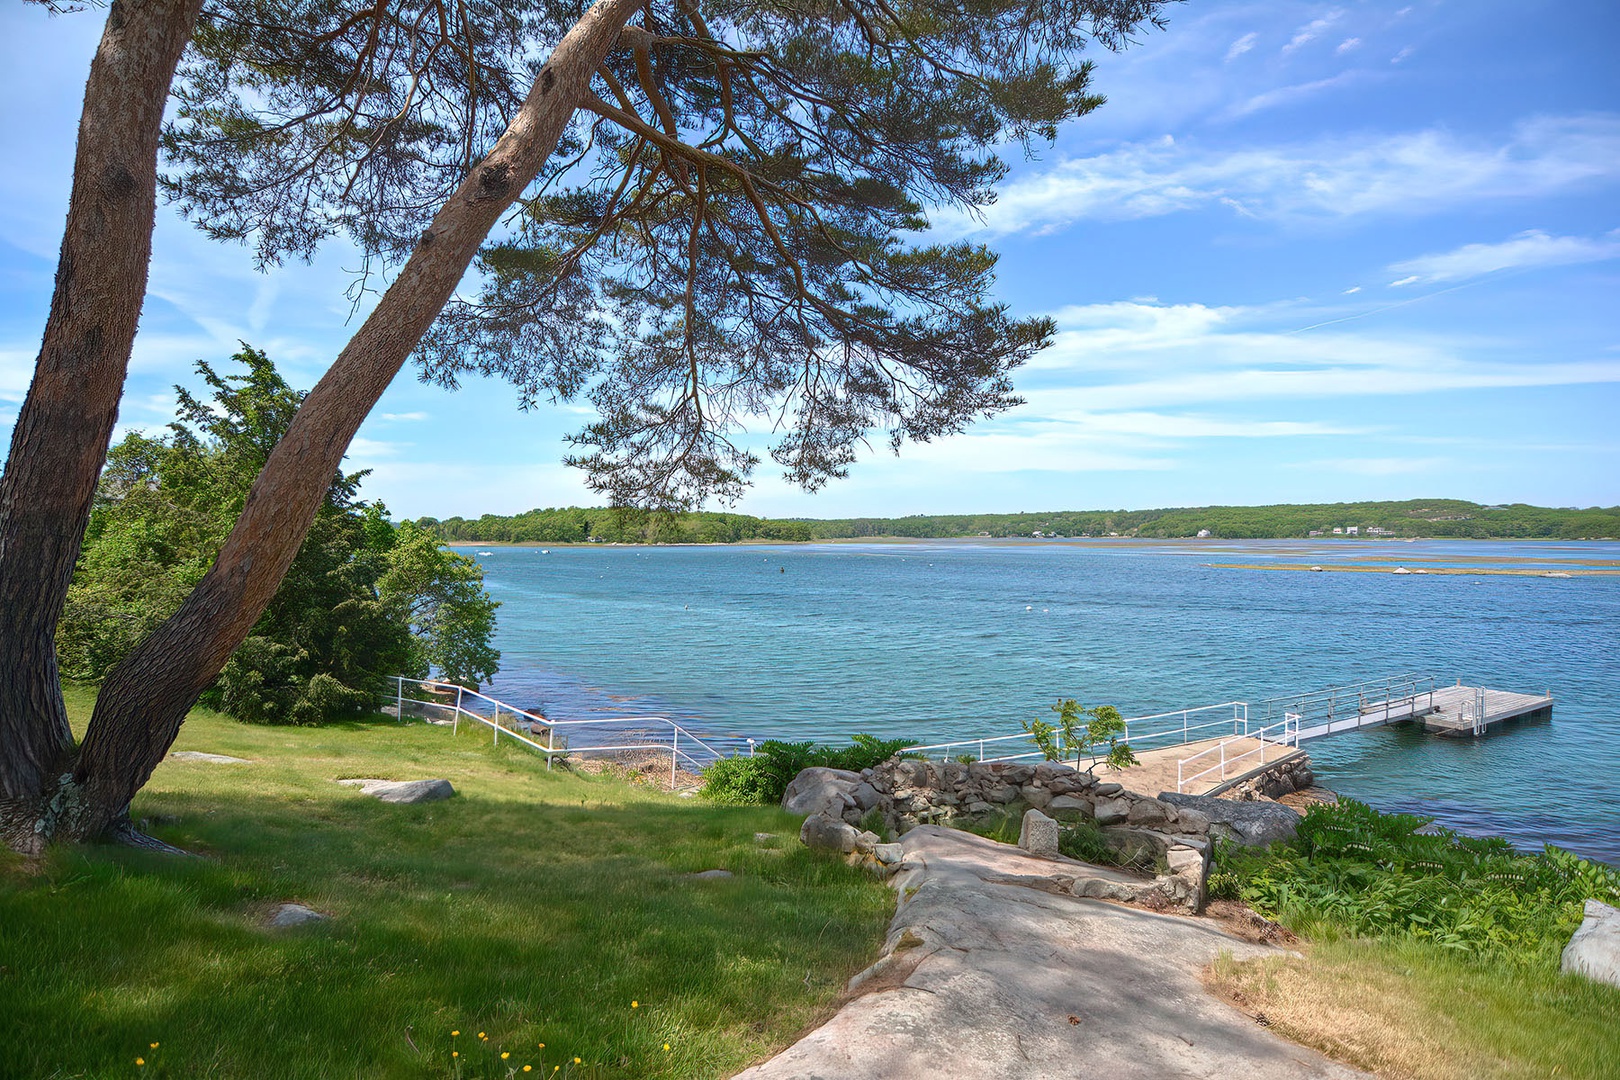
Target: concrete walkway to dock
(1158,769)
(986,973)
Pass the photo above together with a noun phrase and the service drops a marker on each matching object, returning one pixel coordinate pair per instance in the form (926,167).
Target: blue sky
(1306,252)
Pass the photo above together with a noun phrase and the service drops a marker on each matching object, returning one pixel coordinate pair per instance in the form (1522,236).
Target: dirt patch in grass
(1412,1011)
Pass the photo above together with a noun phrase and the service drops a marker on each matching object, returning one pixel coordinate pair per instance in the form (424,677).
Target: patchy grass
(1412,1010)
(534,908)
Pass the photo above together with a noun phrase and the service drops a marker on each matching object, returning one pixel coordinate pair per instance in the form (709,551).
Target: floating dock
(1473,710)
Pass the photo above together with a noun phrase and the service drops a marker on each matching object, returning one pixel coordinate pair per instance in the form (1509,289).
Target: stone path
(989,971)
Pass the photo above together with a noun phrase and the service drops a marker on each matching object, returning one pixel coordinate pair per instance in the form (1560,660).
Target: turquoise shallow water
(947,640)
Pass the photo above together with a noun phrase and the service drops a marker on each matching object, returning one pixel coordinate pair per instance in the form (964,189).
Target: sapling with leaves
(1102,727)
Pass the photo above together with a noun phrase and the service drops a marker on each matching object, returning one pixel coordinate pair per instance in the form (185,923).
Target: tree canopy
(362,601)
(727,235)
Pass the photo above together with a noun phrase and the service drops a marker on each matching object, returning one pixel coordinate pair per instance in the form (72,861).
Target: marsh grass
(534,907)
(1413,1009)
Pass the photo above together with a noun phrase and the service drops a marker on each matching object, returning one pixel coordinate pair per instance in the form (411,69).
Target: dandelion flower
(505,1054)
(154,1046)
(481,1035)
(542,1046)
(453,1034)
(666,1048)
(576,1061)
(455,1053)
(140,1061)
(635,1004)
(526,1068)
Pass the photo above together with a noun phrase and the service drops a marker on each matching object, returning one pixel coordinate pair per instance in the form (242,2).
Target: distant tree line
(1412,518)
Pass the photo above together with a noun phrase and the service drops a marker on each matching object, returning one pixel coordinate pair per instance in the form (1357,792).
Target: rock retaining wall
(905,793)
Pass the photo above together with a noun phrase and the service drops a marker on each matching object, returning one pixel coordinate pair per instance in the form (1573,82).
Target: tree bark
(60,440)
(144,700)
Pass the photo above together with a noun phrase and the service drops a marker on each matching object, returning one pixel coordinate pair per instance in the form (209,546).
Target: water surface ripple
(943,640)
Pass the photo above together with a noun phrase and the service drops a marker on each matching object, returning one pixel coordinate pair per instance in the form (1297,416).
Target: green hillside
(1412,518)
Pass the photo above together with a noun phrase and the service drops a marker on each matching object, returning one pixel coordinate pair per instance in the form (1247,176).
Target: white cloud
(1401,174)
(1348,45)
(1526,250)
(1352,290)
(1403,281)
(1381,466)
(1401,56)
(1241,46)
(1199,356)
(404,416)
(1287,95)
(1311,31)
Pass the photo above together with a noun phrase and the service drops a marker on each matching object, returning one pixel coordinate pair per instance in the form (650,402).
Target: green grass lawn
(535,908)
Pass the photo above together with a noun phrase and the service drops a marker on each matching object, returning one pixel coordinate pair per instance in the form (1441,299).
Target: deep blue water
(948,640)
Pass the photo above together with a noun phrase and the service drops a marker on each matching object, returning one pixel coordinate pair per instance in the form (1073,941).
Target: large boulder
(403,791)
(1253,824)
(819,790)
(1594,951)
(828,833)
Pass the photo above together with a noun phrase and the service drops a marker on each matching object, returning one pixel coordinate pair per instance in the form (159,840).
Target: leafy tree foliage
(360,603)
(718,236)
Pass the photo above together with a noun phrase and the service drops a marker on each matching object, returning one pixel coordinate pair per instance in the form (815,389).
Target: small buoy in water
(545,551)
(781,569)
(1316,569)
(1029,607)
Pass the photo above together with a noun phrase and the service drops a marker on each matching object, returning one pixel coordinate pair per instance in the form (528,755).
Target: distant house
(1315,532)
(1353,530)
(1377,530)
(1203,534)
(1338,530)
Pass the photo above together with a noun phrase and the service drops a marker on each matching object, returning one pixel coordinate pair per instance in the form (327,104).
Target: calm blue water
(956,639)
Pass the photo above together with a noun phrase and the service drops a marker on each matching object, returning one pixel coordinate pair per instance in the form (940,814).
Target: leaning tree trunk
(60,440)
(145,698)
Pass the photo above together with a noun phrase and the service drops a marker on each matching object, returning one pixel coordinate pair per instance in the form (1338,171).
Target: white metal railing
(1280,738)
(1353,705)
(562,737)
(1167,733)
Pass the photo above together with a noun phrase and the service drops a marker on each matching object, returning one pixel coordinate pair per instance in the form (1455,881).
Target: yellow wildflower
(453,1034)
(635,1004)
(526,1068)
(666,1048)
(140,1061)
(481,1035)
(154,1046)
(505,1054)
(576,1061)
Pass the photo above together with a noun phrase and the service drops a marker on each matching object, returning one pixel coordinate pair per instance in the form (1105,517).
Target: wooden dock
(1473,710)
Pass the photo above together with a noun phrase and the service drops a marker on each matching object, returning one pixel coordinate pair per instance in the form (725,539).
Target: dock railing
(1159,729)
(1276,739)
(1352,705)
(557,738)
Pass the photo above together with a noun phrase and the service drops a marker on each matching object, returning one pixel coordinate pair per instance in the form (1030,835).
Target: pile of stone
(844,809)
(1284,778)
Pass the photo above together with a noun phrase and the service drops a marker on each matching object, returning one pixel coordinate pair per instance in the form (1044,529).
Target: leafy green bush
(1376,875)
(764,777)
(736,781)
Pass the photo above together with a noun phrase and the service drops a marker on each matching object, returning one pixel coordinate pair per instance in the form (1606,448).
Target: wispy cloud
(1526,250)
(1348,45)
(404,416)
(1241,46)
(1330,178)
(1288,95)
(1403,281)
(1311,31)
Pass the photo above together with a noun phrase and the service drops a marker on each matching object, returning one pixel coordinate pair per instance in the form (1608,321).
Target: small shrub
(776,763)
(736,781)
